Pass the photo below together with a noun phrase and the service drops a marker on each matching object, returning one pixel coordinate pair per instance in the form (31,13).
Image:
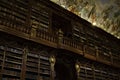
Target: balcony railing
(72,45)
(90,52)
(46,36)
(104,57)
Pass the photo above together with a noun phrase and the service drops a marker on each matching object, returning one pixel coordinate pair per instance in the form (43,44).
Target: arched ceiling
(104,14)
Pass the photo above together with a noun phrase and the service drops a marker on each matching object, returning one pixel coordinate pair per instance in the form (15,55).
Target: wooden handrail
(90,50)
(72,43)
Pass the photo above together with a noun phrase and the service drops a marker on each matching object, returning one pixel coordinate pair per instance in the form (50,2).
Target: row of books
(89,73)
(90,50)
(31,76)
(36,62)
(35,55)
(12,14)
(10,78)
(40,25)
(13,60)
(39,18)
(12,70)
(11,73)
(39,7)
(13,55)
(76,32)
(38,70)
(12,66)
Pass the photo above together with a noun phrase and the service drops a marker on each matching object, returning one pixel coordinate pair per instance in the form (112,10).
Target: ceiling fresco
(104,14)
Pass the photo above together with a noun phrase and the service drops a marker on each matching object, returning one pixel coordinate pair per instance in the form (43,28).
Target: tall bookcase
(11,63)
(97,72)
(37,66)
(78,32)
(14,13)
(39,17)
(19,62)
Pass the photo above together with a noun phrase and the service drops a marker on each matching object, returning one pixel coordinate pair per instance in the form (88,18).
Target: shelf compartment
(11,73)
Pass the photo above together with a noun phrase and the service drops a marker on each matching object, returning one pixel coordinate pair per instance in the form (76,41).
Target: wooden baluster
(25,28)
(44,35)
(60,36)
(52,38)
(97,54)
(77,45)
(41,33)
(49,37)
(111,57)
(37,35)
(73,44)
(70,42)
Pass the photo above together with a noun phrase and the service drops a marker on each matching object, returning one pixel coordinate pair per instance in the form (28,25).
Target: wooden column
(84,46)
(60,36)
(77,67)
(50,21)
(111,57)
(93,69)
(3,63)
(97,54)
(39,77)
(28,20)
(24,60)
(52,63)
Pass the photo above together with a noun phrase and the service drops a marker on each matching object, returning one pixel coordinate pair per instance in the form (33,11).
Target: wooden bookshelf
(39,17)
(78,32)
(13,62)
(82,74)
(97,72)
(37,65)
(32,66)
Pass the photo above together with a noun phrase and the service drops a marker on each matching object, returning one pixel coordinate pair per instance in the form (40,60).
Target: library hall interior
(59,40)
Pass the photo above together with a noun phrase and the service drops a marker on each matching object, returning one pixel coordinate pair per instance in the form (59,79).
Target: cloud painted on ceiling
(104,14)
